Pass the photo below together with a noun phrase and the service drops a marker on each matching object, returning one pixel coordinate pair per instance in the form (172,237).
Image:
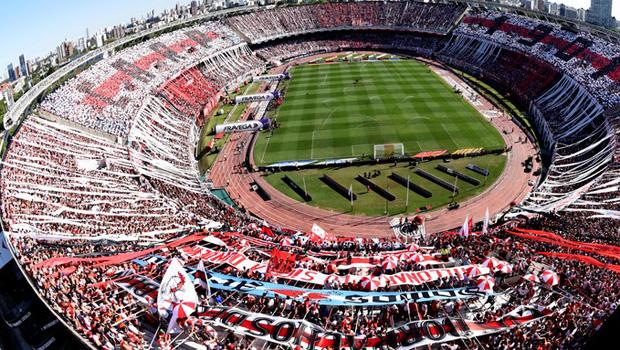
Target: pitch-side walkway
(511,187)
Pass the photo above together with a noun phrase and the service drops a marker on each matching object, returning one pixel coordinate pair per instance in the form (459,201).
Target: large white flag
(177,298)
(485,223)
(464,231)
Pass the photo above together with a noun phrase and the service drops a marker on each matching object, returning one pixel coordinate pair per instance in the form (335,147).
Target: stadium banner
(550,238)
(271,77)
(293,163)
(336,297)
(142,288)
(584,259)
(267,96)
(411,278)
(301,334)
(407,249)
(369,262)
(145,290)
(252,125)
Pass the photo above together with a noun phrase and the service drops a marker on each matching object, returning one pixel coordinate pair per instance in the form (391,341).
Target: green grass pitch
(341,110)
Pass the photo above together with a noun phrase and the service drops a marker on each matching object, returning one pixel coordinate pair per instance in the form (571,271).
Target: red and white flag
(177,298)
(318,234)
(464,231)
(200,278)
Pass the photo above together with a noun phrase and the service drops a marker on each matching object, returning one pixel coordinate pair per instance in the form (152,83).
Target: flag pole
(387,187)
(487,173)
(351,196)
(304,180)
(454,189)
(407,201)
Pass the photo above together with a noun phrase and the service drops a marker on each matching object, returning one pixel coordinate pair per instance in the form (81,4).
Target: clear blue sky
(36,27)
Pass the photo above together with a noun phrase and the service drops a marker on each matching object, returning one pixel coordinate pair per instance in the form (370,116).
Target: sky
(36,27)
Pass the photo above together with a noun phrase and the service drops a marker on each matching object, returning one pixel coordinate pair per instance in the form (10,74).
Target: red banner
(584,259)
(606,250)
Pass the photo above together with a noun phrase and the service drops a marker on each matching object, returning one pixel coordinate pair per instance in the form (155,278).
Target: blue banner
(335,297)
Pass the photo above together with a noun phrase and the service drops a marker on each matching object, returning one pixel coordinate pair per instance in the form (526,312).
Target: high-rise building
(60,53)
(81,44)
(538,5)
(11,71)
(194,8)
(22,66)
(581,14)
(118,31)
(600,13)
(554,8)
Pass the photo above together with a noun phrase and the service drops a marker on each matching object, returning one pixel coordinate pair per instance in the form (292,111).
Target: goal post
(388,150)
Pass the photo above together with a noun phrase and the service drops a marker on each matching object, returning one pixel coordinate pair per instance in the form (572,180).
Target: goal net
(388,150)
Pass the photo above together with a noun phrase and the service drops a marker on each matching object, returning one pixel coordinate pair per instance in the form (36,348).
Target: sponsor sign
(252,125)
(268,96)
(272,77)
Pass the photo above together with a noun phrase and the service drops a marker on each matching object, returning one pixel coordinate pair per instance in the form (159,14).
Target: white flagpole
(351,195)
(407,204)
(208,289)
(485,224)
(304,179)
(454,190)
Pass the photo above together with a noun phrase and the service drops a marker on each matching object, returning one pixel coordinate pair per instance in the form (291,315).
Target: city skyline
(49,23)
(71,20)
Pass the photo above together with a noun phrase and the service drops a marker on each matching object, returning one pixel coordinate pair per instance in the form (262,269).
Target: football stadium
(319,176)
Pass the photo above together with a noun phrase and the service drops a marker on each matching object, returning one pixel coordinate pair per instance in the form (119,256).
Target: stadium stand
(97,204)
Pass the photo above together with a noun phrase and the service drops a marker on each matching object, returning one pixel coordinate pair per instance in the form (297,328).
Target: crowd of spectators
(415,16)
(112,317)
(68,193)
(107,95)
(583,64)
(294,48)
(59,180)
(569,120)
(163,133)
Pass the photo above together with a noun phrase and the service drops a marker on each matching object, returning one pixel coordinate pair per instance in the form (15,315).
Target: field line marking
(327,118)
(324,79)
(312,146)
(262,158)
(449,135)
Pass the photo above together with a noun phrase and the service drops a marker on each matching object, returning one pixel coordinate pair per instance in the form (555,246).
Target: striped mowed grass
(341,110)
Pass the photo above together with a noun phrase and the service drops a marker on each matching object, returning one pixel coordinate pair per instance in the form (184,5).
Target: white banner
(301,334)
(413,278)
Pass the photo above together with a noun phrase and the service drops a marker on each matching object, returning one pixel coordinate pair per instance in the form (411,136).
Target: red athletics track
(511,186)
